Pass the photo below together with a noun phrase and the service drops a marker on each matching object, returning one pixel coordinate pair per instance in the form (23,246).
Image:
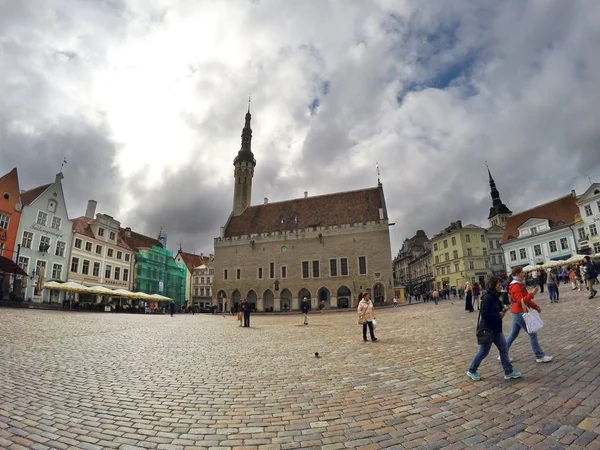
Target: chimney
(573,194)
(266,200)
(128,232)
(90,212)
(305,194)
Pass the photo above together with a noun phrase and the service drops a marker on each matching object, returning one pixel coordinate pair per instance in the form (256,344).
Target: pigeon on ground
(317,354)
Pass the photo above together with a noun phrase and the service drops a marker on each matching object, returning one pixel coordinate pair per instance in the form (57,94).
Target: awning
(9,266)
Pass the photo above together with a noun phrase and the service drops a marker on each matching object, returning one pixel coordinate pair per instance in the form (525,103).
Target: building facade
(493,237)
(543,233)
(10,213)
(191,261)
(421,273)
(158,273)
(202,285)
(460,255)
(99,255)
(155,271)
(327,248)
(410,259)
(588,229)
(45,237)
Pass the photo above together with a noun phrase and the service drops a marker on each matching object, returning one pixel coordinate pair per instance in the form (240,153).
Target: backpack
(593,270)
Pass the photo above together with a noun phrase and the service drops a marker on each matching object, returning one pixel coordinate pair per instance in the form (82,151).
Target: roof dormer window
(6,196)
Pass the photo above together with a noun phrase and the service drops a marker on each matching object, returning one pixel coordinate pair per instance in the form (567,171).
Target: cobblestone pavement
(91,381)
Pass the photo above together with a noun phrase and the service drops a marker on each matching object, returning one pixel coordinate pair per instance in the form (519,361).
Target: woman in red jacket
(517,292)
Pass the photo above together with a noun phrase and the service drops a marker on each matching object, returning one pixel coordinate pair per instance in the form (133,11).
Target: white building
(588,234)
(541,234)
(99,255)
(45,234)
(202,284)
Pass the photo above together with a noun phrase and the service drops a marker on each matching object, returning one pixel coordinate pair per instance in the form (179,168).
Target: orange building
(10,213)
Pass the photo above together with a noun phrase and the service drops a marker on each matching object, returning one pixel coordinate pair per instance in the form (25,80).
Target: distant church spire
(244,164)
(245,153)
(498,208)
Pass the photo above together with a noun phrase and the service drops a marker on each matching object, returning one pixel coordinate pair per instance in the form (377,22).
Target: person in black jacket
(305,309)
(491,314)
(246,312)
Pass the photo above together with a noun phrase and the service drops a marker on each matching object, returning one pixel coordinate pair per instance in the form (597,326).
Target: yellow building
(459,254)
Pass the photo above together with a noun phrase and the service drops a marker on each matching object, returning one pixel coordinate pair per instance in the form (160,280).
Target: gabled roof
(28,197)
(136,240)
(12,173)
(559,212)
(81,225)
(588,193)
(323,210)
(192,260)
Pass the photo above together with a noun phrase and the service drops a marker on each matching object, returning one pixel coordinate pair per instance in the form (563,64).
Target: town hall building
(328,248)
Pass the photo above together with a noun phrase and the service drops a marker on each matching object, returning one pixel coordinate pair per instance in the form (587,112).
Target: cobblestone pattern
(92,381)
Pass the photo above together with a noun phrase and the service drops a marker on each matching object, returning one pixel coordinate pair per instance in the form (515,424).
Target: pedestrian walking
(395,301)
(305,309)
(518,295)
(490,320)
(172,307)
(366,316)
(468,298)
(246,312)
(591,273)
(476,292)
(578,278)
(553,285)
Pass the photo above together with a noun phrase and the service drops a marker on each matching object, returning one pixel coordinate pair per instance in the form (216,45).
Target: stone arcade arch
(223,301)
(378,293)
(306,293)
(344,297)
(236,297)
(269,300)
(324,297)
(286,299)
(252,300)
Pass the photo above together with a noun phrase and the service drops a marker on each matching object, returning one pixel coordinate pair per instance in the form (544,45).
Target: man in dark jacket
(305,309)
(591,272)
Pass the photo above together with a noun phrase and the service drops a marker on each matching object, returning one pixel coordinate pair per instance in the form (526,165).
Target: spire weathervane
(378,173)
(63,163)
(249,103)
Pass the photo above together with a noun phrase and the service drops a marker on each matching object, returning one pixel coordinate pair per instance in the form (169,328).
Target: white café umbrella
(529,268)
(574,259)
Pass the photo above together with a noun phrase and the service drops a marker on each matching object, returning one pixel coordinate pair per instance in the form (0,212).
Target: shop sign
(41,229)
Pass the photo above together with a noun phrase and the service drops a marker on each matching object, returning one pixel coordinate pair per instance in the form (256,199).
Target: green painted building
(158,273)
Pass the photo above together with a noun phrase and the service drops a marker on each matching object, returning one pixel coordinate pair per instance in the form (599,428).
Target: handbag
(361,320)
(533,321)
(485,336)
(239,316)
(374,324)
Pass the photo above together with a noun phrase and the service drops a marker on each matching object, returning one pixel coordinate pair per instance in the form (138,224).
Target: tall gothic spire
(245,153)
(497,206)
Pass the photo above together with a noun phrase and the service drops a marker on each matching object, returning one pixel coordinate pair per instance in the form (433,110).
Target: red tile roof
(192,260)
(81,225)
(137,240)
(29,196)
(323,210)
(559,212)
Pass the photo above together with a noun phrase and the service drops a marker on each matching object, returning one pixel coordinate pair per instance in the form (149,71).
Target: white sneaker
(511,360)
(545,359)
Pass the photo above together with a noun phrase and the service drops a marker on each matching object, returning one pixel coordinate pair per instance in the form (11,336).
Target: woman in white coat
(366,316)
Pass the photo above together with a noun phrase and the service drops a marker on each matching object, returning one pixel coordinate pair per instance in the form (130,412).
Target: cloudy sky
(146,99)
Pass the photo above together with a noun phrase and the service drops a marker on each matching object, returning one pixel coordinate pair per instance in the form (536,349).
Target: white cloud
(167,82)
